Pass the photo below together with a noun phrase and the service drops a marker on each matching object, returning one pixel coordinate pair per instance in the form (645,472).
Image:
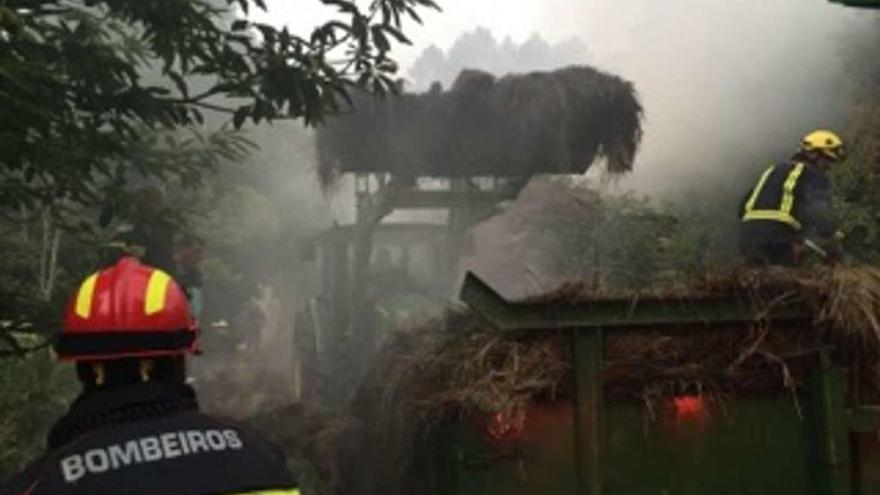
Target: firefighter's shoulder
(187,453)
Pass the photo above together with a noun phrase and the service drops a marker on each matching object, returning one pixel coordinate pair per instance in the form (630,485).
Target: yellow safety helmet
(825,142)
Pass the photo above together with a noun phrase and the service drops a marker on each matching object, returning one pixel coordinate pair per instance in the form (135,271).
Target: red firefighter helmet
(127,310)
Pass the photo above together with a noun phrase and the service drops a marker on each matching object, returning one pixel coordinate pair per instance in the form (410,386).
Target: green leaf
(380,39)
(359,28)
(344,6)
(240,115)
(197,116)
(398,35)
(77,106)
(269,33)
(179,82)
(413,14)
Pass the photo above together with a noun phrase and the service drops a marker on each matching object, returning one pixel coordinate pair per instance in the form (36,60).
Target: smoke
(727,86)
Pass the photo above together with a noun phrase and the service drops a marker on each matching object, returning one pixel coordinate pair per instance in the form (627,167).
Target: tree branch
(209,106)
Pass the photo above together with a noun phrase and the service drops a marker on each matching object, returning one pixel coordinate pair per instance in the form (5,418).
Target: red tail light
(689,407)
(506,426)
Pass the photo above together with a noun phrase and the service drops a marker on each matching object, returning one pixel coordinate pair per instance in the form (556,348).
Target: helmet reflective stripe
(127,310)
(84,296)
(157,288)
(783,214)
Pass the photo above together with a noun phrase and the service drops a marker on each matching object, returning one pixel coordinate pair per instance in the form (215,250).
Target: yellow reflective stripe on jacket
(788,188)
(157,288)
(774,215)
(289,491)
(750,205)
(783,214)
(85,295)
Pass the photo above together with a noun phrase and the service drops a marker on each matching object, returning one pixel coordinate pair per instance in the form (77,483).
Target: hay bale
(451,366)
(516,126)
(649,366)
(852,301)
(845,298)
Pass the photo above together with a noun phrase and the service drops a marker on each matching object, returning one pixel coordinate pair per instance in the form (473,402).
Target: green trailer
(812,440)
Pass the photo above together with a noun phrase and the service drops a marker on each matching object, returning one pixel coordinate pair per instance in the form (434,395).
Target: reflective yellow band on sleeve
(157,288)
(85,295)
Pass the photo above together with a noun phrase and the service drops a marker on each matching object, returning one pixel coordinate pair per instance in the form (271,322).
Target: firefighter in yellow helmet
(791,202)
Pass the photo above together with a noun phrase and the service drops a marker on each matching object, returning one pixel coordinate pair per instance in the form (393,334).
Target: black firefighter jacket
(151,439)
(790,199)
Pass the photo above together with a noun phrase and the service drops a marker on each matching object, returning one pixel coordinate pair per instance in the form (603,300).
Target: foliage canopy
(76,101)
(98,95)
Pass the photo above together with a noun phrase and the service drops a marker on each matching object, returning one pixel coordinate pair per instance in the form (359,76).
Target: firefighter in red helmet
(136,427)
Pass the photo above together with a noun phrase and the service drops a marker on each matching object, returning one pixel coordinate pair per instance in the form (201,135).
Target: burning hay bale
(650,366)
(458,363)
(516,126)
(460,366)
(450,366)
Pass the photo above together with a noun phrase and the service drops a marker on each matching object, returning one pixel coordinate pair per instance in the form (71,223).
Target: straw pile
(460,366)
(453,365)
(516,126)
(842,297)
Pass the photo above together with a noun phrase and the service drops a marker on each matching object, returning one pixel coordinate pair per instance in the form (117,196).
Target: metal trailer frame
(588,321)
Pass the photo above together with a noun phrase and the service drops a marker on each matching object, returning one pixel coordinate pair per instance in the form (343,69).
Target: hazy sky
(715,76)
(609,25)
(554,19)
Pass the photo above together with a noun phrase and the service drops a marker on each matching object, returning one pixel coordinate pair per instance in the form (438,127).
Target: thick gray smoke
(728,87)
(725,83)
